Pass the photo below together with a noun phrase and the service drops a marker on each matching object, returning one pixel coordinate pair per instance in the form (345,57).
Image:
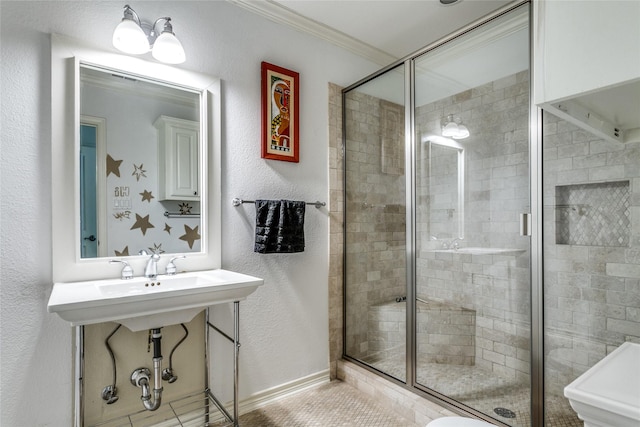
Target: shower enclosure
(457,192)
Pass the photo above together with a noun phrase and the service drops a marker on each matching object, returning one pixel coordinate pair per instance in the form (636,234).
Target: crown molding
(283,15)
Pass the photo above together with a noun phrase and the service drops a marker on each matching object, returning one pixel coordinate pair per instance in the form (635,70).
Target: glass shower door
(375,224)
(472,305)
(591,255)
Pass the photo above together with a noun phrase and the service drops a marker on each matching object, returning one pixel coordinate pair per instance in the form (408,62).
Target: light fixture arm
(153,34)
(129,13)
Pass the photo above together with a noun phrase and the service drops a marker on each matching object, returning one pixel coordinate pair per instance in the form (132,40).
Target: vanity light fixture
(452,127)
(136,37)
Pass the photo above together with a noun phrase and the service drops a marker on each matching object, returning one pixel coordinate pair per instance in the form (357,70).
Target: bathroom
(37,346)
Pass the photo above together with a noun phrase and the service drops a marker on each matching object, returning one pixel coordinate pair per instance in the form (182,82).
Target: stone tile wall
(375,212)
(496,286)
(336,223)
(445,333)
(592,293)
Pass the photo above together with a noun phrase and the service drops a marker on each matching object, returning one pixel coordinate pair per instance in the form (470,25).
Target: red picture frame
(280,115)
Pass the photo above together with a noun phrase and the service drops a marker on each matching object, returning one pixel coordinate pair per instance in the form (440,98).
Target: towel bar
(180,215)
(238,202)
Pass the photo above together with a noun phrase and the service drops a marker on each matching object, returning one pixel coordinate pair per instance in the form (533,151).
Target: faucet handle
(171,267)
(127,271)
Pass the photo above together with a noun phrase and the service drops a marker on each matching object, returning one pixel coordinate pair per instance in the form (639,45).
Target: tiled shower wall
(375,207)
(497,160)
(336,230)
(496,286)
(592,293)
(592,290)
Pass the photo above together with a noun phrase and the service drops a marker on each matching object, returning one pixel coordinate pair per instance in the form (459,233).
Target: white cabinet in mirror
(114,119)
(177,159)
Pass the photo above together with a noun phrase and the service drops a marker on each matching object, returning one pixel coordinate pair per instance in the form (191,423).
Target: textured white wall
(285,323)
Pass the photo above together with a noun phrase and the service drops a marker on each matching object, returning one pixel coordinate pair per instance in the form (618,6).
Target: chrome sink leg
(236,365)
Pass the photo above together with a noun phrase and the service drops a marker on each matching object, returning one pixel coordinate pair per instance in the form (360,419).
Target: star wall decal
(142,223)
(191,235)
(167,228)
(124,252)
(113,166)
(138,172)
(185,209)
(156,249)
(146,195)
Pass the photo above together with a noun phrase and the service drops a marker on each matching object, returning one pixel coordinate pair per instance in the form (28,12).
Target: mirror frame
(66,56)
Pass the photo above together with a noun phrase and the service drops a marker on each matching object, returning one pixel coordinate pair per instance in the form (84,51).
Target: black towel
(279,226)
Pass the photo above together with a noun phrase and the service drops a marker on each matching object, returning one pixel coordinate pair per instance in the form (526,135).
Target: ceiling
(380,30)
(384,31)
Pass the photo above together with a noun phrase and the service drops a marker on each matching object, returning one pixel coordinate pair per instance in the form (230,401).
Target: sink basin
(141,303)
(608,394)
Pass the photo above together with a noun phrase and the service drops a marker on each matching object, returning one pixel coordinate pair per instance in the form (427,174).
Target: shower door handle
(525,224)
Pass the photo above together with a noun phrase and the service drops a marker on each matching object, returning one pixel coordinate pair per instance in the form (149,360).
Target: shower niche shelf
(594,214)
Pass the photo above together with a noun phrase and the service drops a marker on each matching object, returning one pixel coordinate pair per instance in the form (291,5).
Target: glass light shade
(128,37)
(463,132)
(168,49)
(450,129)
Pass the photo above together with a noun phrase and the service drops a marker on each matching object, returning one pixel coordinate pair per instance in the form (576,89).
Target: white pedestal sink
(142,303)
(608,394)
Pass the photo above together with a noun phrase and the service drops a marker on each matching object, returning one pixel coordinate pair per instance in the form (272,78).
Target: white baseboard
(273,394)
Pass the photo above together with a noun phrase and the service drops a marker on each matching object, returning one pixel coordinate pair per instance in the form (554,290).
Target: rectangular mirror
(135,163)
(446,187)
(139,175)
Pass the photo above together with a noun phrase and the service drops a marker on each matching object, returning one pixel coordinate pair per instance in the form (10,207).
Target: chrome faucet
(151,270)
(171,267)
(127,271)
(443,243)
(446,244)
(454,243)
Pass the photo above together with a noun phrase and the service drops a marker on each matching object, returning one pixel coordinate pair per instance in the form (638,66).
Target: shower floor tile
(480,389)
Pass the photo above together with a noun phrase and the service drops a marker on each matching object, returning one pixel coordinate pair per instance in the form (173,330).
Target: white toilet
(458,422)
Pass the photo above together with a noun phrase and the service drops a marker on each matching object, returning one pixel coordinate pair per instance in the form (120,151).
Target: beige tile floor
(334,404)
(338,404)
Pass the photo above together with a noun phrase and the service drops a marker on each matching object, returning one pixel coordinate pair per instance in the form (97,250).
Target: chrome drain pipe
(140,377)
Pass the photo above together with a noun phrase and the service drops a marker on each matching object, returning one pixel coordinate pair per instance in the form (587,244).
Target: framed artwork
(280,103)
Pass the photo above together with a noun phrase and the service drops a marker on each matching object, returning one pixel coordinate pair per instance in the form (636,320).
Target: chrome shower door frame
(536,247)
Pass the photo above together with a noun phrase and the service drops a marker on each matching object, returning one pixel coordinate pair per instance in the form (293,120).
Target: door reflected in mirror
(140,151)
